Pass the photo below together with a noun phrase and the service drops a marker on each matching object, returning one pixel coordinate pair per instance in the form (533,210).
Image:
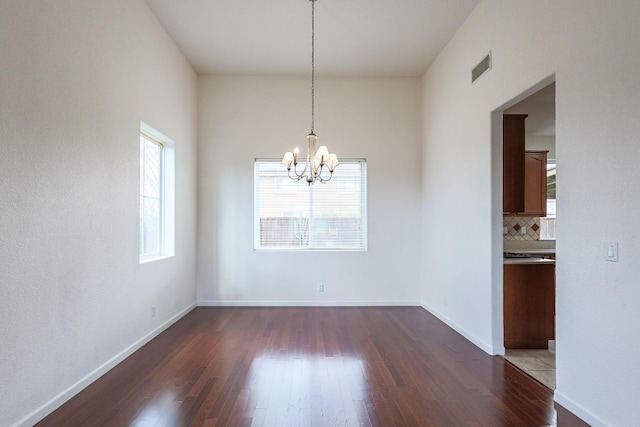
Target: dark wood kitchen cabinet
(524,182)
(513,163)
(529,305)
(535,183)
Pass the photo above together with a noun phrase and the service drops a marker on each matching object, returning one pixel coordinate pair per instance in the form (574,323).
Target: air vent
(481,68)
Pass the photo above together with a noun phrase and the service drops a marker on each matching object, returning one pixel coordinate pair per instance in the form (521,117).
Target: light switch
(611,251)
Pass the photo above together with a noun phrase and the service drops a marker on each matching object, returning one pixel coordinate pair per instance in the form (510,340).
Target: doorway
(527,239)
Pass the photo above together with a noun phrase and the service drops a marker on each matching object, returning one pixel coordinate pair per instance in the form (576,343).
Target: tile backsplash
(515,225)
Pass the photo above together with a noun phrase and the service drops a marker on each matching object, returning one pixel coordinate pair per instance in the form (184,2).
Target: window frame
(551,165)
(166,198)
(363,208)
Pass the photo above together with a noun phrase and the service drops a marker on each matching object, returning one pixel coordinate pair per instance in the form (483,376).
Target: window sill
(310,250)
(153,258)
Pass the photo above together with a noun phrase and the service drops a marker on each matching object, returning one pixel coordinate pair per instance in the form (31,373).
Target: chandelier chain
(313,68)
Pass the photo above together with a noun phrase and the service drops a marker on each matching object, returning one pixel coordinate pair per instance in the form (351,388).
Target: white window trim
(363,207)
(549,217)
(167,216)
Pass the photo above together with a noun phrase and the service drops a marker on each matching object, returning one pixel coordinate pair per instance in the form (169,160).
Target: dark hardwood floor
(347,366)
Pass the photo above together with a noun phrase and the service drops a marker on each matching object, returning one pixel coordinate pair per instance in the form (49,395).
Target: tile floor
(540,364)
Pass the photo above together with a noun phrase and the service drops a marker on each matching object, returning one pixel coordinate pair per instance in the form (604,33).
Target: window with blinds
(292,215)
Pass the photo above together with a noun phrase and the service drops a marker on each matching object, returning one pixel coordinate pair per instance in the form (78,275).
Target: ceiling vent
(481,68)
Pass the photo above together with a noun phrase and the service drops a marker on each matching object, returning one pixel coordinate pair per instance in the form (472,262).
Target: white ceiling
(541,108)
(273,37)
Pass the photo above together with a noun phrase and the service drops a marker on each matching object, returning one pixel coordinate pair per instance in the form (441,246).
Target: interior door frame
(497,243)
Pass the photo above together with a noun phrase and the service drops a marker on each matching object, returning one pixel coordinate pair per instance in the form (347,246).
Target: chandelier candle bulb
(333,162)
(322,154)
(316,165)
(288,159)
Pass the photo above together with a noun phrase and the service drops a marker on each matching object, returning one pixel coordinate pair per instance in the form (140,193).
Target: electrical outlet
(320,287)
(153,311)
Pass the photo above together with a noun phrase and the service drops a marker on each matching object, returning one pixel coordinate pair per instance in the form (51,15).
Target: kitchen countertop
(532,260)
(541,252)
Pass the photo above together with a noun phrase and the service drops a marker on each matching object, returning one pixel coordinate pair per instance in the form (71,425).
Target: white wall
(243,118)
(537,142)
(591,47)
(76,79)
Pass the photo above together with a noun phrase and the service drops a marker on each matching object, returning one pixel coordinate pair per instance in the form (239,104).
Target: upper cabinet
(513,163)
(524,173)
(535,183)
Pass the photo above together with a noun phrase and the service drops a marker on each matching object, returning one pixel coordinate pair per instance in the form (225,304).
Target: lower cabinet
(529,305)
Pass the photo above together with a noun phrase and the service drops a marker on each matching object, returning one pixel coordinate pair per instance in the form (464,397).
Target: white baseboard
(53,404)
(578,410)
(487,348)
(314,303)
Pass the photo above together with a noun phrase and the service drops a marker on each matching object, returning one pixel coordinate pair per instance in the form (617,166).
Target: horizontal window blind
(295,216)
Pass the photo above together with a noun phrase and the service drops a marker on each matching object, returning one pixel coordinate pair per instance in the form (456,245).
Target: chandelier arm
(319,176)
(300,175)
(295,178)
(324,180)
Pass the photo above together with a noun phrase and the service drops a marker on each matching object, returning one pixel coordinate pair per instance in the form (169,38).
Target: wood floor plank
(310,366)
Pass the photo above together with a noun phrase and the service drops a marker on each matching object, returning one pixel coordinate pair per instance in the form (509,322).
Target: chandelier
(320,161)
